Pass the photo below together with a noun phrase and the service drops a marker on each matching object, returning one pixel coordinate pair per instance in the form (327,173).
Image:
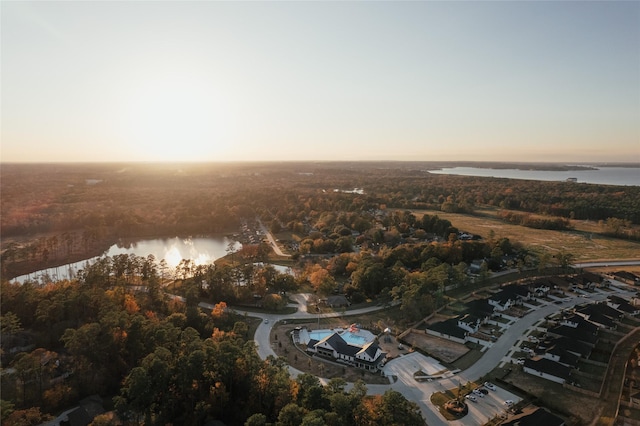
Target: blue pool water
(351,338)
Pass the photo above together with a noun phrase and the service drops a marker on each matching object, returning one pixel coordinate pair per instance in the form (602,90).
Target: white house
(469,323)
(368,356)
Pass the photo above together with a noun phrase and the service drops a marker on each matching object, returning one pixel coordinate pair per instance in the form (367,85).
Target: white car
(266,321)
(478,393)
(489,386)
(520,361)
(471,398)
(509,402)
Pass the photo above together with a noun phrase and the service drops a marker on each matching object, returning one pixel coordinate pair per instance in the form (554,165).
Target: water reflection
(200,250)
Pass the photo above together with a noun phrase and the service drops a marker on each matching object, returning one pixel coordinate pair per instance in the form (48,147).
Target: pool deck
(354,338)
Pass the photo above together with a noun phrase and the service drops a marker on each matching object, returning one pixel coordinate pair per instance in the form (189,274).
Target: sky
(324,81)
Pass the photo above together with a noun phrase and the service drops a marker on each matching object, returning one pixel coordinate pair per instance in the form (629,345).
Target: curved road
(420,392)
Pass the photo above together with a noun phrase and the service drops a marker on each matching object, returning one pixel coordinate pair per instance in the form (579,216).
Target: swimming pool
(359,338)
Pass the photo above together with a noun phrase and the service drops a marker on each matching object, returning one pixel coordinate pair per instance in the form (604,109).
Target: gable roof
(468,319)
(626,275)
(549,367)
(536,418)
(582,323)
(602,309)
(588,277)
(623,304)
(503,297)
(479,307)
(566,357)
(516,289)
(339,345)
(570,345)
(574,333)
(370,349)
(449,327)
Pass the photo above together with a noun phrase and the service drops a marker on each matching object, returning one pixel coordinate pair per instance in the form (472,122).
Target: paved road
(611,263)
(420,392)
(272,240)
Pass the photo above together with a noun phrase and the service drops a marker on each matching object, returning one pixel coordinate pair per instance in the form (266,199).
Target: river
(626,176)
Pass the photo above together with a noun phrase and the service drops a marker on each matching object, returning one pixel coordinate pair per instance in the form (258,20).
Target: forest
(115,331)
(53,214)
(163,361)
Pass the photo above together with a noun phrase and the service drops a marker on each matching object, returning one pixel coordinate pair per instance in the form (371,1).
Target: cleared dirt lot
(439,348)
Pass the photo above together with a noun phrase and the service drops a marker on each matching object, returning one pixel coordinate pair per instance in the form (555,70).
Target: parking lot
(487,407)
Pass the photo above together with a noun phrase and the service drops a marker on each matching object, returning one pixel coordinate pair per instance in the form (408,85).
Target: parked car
(520,361)
(471,398)
(509,403)
(489,386)
(478,393)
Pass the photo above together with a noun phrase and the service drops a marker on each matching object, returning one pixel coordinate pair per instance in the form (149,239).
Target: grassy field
(582,241)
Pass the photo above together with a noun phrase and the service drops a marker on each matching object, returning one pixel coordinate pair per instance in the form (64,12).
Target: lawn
(584,408)
(468,359)
(582,242)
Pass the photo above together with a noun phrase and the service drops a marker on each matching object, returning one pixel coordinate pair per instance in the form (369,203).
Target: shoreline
(13,270)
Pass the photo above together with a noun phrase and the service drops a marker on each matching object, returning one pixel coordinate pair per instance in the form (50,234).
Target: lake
(626,176)
(200,250)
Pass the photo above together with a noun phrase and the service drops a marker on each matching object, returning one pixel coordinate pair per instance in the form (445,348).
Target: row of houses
(573,338)
(466,326)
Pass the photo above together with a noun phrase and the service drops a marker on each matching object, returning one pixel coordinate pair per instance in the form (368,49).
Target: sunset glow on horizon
(288,81)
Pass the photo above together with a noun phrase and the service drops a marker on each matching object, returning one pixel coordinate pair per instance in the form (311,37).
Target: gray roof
(448,327)
(549,367)
(574,333)
(537,418)
(570,345)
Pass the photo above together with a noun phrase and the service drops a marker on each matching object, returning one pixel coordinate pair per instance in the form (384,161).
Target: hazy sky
(217,81)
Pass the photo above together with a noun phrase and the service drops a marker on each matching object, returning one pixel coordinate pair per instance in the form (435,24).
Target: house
(587,280)
(575,347)
(578,321)
(627,277)
(540,288)
(522,292)
(559,283)
(502,300)
(480,308)
(574,333)
(448,329)
(475,267)
(622,305)
(337,301)
(600,313)
(469,323)
(368,356)
(509,296)
(547,369)
(562,356)
(536,418)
